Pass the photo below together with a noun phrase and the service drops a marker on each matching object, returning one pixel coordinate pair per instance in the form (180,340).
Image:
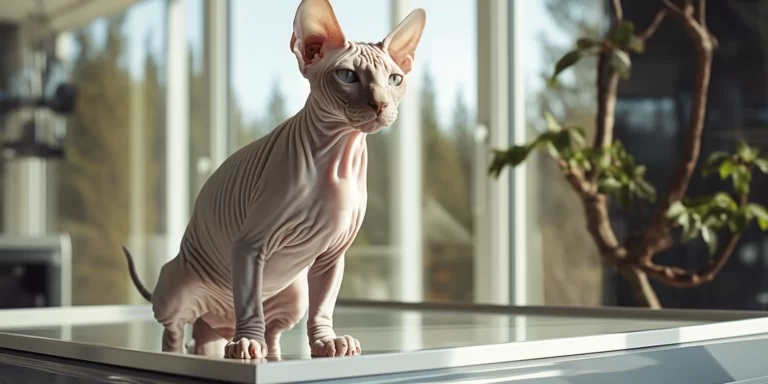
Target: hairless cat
(268,234)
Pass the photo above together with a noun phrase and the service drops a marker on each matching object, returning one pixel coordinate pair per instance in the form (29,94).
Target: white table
(413,343)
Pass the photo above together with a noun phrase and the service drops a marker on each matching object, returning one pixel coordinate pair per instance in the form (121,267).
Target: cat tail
(145,293)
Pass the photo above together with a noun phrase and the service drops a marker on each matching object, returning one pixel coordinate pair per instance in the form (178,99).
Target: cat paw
(336,346)
(245,349)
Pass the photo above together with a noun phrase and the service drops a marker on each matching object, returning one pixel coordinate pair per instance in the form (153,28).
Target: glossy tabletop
(379,330)
(394,339)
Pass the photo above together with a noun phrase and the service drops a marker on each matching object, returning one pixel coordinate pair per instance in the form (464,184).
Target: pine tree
(448,267)
(94,199)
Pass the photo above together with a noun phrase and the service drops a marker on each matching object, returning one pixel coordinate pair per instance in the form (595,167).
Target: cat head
(359,83)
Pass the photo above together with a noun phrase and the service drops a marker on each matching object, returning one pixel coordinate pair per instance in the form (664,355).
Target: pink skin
(268,235)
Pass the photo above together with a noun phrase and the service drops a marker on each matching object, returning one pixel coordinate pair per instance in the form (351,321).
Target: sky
(261,58)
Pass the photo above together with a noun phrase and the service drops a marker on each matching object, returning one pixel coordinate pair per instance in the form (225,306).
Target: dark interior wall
(651,121)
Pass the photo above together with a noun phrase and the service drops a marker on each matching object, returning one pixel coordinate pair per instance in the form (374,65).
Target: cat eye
(346,75)
(395,80)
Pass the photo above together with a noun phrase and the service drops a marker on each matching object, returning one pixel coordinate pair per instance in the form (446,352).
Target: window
(447,74)
(571,271)
(112,186)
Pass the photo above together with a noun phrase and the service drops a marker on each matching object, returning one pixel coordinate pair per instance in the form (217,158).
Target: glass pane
(199,126)
(110,185)
(446,63)
(572,272)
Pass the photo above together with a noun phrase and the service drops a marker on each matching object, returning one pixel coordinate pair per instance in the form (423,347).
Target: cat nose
(378,106)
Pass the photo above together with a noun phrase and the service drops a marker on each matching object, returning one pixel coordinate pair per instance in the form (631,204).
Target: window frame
(177,126)
(217,43)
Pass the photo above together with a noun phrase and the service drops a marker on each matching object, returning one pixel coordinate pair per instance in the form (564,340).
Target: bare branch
(681,278)
(654,24)
(641,287)
(704,46)
(619,10)
(607,86)
(672,7)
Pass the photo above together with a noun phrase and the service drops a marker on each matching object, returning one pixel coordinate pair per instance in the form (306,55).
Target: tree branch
(576,178)
(619,11)
(651,29)
(651,238)
(681,278)
(672,7)
(703,46)
(596,214)
(607,85)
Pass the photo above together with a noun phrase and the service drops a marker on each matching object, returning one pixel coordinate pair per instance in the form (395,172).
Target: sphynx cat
(268,234)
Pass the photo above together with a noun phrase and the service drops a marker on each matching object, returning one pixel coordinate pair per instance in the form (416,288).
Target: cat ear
(402,41)
(315,30)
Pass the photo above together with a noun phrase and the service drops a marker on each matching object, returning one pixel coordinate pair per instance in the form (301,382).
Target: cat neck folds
(325,131)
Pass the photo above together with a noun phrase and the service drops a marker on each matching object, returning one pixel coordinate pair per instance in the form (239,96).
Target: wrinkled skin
(269,231)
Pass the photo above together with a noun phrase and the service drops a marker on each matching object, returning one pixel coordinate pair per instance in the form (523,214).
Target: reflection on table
(379,330)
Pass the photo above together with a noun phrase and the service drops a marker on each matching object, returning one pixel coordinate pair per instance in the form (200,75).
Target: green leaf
(684,221)
(636,44)
(623,34)
(604,160)
(716,157)
(726,168)
(713,162)
(621,62)
(552,150)
(564,63)
(562,141)
(741,179)
(585,44)
(710,238)
(715,221)
(552,123)
(738,222)
(745,152)
(692,230)
(724,200)
(675,210)
(645,190)
(512,157)
(760,213)
(608,185)
(543,140)
(578,135)
(640,171)
(762,163)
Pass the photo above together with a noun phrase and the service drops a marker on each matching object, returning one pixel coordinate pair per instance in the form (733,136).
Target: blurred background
(166,89)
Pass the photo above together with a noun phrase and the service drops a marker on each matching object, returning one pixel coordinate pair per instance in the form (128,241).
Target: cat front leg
(325,277)
(247,282)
